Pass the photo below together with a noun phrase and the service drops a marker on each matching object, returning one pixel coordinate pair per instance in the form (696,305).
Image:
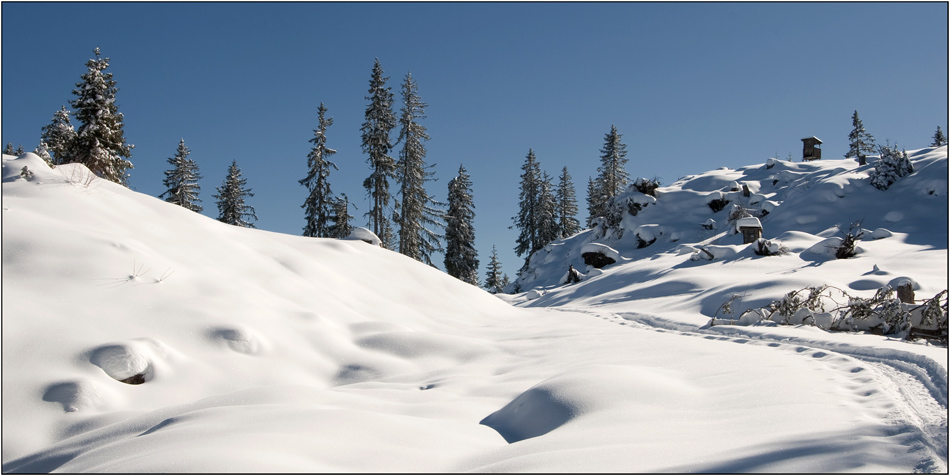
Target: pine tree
(548,229)
(860,141)
(340,219)
(890,167)
(419,218)
(182,180)
(8,150)
(612,179)
(596,206)
(19,150)
(100,143)
(231,196)
(529,214)
(60,137)
(461,258)
(42,151)
(319,202)
(566,206)
(939,138)
(494,282)
(375,135)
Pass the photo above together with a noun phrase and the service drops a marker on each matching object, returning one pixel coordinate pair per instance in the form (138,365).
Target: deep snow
(263,352)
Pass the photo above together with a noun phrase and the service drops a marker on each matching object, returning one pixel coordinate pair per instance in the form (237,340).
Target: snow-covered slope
(250,351)
(806,203)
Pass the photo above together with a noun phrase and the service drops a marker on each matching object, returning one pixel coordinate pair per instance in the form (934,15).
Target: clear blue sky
(691,86)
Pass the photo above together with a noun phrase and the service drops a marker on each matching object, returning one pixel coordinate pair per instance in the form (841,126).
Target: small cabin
(751,229)
(811,149)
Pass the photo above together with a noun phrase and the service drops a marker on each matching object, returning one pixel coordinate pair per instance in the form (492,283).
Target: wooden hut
(751,229)
(811,149)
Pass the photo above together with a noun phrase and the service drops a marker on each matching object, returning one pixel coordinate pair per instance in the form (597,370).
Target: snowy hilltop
(682,246)
(139,336)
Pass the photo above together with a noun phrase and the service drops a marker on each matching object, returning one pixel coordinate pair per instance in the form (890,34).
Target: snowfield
(139,336)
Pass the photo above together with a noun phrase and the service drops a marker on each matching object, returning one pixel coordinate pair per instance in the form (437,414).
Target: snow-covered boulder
(599,255)
(363,234)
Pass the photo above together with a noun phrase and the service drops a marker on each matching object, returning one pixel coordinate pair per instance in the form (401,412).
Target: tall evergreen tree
(19,150)
(100,142)
(182,180)
(548,229)
(461,258)
(9,150)
(319,202)
(340,219)
(232,208)
(596,205)
(860,141)
(376,143)
(494,282)
(529,213)
(613,177)
(419,218)
(60,136)
(566,206)
(939,138)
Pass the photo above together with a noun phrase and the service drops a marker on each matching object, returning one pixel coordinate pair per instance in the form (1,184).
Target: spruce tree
(42,151)
(890,167)
(939,138)
(461,258)
(60,137)
(376,144)
(613,177)
(566,206)
(529,213)
(548,229)
(182,180)
(596,205)
(340,218)
(100,143)
(231,196)
(494,282)
(418,218)
(8,150)
(319,202)
(859,140)
(19,150)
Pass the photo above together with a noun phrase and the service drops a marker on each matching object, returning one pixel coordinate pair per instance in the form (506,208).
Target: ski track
(916,384)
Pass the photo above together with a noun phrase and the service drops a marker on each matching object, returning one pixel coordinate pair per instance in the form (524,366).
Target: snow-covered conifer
(340,218)
(939,138)
(319,202)
(528,219)
(548,229)
(461,258)
(566,199)
(42,151)
(60,136)
(19,150)
(419,218)
(596,205)
(613,177)
(182,180)
(9,150)
(100,143)
(890,167)
(494,282)
(231,196)
(376,143)
(859,140)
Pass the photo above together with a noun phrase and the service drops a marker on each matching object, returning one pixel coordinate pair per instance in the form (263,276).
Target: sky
(690,86)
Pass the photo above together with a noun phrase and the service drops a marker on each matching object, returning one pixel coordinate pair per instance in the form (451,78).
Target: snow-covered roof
(812,137)
(748,222)
(363,234)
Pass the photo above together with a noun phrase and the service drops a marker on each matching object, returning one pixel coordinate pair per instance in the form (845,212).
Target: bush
(890,167)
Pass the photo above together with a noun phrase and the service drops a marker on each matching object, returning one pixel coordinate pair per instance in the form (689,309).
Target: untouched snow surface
(252,351)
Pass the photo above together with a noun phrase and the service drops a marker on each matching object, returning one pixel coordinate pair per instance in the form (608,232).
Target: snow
(262,352)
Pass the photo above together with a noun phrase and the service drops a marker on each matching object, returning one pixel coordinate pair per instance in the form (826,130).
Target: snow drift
(139,336)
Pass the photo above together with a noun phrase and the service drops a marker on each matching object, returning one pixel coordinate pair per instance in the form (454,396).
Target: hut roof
(748,222)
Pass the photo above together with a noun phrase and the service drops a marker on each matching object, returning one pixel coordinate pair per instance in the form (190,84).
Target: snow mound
(362,234)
